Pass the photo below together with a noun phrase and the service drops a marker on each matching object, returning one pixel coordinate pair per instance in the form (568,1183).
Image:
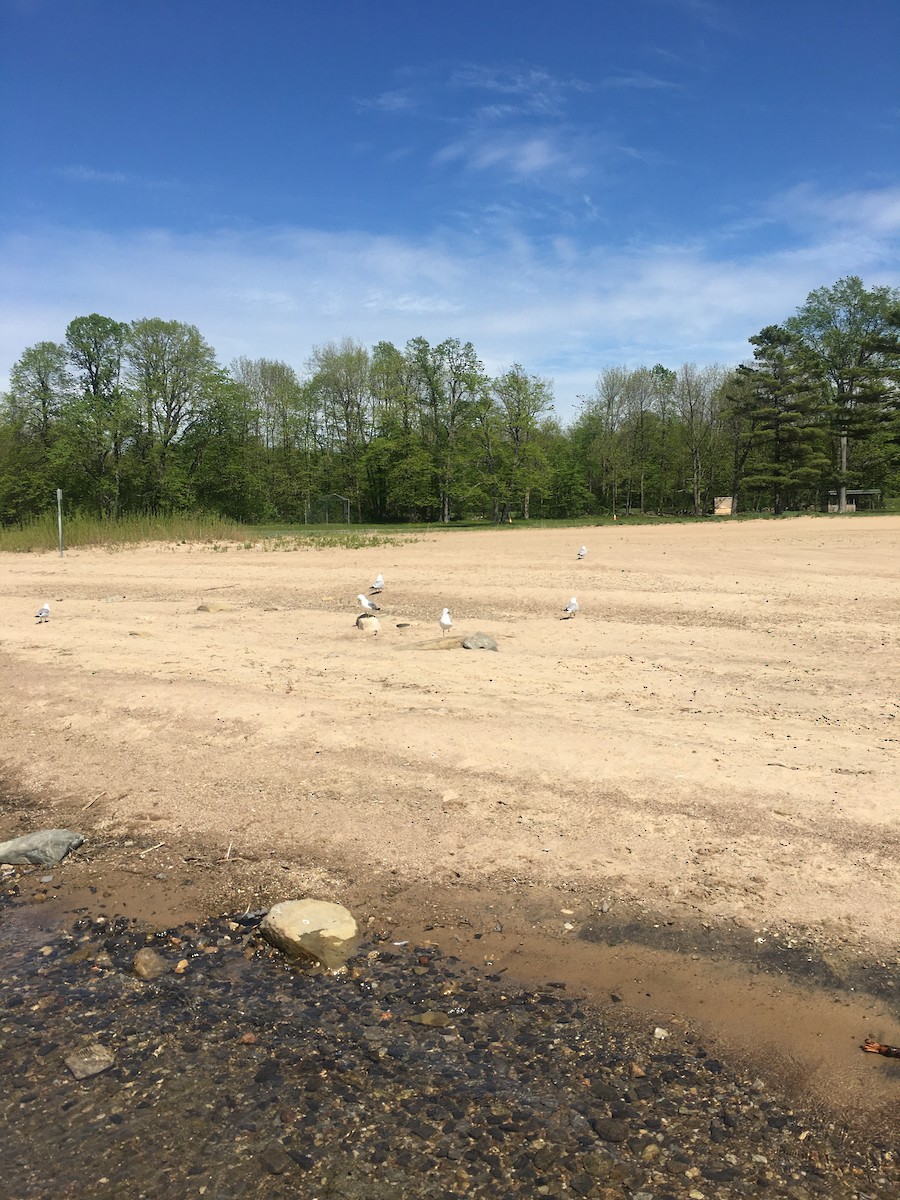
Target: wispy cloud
(525,155)
(710,13)
(564,308)
(640,81)
(534,90)
(400,101)
(874,212)
(79,173)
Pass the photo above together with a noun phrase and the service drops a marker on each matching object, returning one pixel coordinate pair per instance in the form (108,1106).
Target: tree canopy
(141,417)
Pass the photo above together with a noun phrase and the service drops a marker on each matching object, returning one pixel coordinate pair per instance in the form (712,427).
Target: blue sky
(569,186)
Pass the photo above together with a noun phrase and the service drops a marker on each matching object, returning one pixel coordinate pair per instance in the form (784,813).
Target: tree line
(141,417)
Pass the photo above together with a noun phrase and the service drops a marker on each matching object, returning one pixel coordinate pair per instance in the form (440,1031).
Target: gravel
(235,1074)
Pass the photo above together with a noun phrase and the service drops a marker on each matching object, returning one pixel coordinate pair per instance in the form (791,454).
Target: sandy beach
(710,745)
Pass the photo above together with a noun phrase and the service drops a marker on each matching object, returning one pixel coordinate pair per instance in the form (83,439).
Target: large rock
(311,930)
(479,641)
(43,849)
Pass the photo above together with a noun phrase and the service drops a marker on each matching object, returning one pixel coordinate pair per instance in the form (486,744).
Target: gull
(445,621)
(43,614)
(367,605)
(570,610)
(582,552)
(378,585)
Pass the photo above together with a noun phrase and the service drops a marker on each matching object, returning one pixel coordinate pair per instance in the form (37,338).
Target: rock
(315,930)
(214,606)
(90,1061)
(368,624)
(148,964)
(43,849)
(276,1159)
(610,1129)
(479,641)
(438,1020)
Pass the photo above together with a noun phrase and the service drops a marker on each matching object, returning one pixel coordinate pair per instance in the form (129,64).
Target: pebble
(411,1075)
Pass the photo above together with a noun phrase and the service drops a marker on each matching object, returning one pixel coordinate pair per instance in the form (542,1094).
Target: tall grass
(219,533)
(42,533)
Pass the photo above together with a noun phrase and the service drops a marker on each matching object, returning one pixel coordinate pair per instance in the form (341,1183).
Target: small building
(858,500)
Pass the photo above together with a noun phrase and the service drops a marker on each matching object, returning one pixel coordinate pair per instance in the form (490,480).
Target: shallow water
(409,1075)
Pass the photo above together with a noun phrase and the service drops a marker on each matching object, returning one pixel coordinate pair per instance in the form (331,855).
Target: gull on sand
(378,585)
(367,605)
(43,614)
(445,621)
(582,552)
(570,610)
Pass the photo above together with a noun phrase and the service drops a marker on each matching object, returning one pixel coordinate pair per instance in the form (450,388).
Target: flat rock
(43,849)
(440,643)
(91,1060)
(312,930)
(479,641)
(213,606)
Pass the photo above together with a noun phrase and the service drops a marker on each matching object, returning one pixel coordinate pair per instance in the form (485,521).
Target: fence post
(59,518)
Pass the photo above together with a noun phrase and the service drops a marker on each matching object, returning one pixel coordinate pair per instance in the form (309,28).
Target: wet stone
(148,964)
(611,1130)
(89,1061)
(276,1159)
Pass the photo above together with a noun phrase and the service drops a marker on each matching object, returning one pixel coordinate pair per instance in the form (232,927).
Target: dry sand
(713,741)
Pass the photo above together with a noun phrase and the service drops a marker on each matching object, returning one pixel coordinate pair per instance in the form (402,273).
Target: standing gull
(367,605)
(378,585)
(570,610)
(42,614)
(582,552)
(445,621)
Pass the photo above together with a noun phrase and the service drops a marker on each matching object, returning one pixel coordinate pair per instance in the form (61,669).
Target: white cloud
(640,81)
(77,173)
(389,102)
(564,308)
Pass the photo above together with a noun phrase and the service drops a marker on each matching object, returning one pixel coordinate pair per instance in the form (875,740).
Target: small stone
(610,1129)
(90,1061)
(660,1034)
(276,1159)
(148,964)
(438,1020)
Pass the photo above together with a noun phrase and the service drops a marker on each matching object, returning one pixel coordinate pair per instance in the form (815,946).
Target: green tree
(522,402)
(39,385)
(781,408)
(96,422)
(450,382)
(849,335)
(339,382)
(171,372)
(697,392)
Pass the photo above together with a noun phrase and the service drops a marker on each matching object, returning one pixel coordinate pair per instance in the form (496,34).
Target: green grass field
(42,534)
